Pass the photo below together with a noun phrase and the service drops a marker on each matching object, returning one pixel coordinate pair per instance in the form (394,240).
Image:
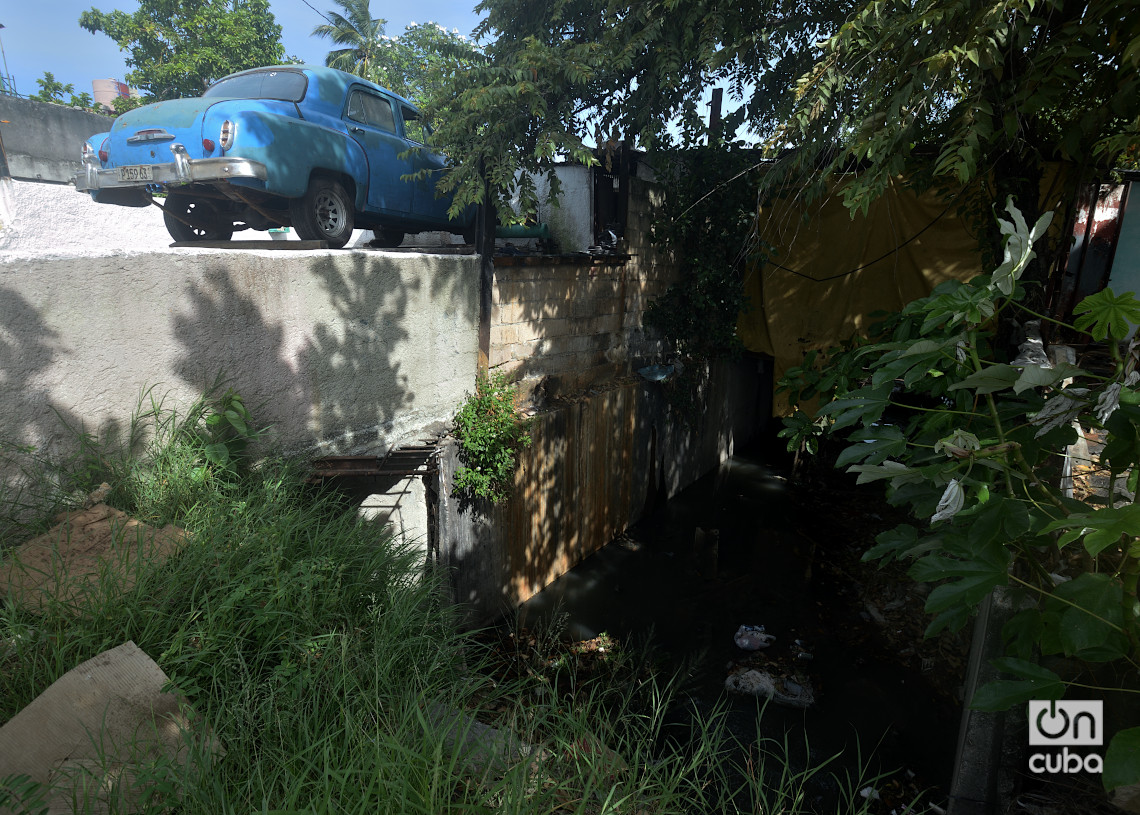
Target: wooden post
(714,114)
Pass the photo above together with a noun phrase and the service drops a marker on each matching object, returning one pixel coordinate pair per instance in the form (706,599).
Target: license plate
(136,172)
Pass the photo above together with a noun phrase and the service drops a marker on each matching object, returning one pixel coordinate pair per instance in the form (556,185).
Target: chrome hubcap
(330,213)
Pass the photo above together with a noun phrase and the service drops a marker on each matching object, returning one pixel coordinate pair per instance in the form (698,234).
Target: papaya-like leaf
(989,380)
(1034,682)
(1106,313)
(1101,528)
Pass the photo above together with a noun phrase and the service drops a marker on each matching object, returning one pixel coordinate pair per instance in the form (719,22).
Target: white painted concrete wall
(55,219)
(342,352)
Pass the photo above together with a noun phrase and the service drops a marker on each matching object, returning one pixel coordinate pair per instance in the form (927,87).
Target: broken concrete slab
(94,737)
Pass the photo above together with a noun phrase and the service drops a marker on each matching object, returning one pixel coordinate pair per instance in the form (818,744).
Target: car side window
(415,130)
(356,108)
(371,110)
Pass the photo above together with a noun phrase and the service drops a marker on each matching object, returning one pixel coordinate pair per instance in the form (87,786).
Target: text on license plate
(136,172)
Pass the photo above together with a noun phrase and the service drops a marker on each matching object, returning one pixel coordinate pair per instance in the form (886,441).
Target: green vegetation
(320,654)
(973,446)
(704,223)
(416,64)
(176,49)
(490,434)
(52,90)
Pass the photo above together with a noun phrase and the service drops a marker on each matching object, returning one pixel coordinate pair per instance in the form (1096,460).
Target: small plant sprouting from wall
(490,435)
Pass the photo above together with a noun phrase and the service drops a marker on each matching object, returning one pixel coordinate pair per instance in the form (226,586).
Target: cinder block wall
(565,324)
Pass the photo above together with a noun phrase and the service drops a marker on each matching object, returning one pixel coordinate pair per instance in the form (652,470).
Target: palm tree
(358,32)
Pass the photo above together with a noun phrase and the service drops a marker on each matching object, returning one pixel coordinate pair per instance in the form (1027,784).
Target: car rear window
(286,85)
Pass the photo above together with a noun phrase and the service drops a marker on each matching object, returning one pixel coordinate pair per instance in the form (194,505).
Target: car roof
(332,85)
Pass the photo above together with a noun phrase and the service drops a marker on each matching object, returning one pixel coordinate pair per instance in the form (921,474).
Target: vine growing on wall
(705,223)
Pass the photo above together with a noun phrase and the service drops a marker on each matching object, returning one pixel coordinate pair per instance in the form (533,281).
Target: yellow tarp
(830,272)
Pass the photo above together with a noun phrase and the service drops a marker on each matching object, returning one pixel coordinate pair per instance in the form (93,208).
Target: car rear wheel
(323,213)
(206,221)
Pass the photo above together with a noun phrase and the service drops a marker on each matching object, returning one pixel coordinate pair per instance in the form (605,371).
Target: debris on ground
(102,734)
(781,690)
(480,748)
(752,638)
(66,562)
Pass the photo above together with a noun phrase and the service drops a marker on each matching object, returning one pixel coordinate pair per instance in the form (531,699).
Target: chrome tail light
(229,130)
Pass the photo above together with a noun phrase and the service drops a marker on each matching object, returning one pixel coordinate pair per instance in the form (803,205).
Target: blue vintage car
(313,148)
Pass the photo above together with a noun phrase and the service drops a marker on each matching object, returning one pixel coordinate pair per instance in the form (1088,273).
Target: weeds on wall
(974,447)
(164,462)
(706,222)
(490,434)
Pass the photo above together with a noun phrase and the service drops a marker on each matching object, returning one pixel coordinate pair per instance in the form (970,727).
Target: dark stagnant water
(656,583)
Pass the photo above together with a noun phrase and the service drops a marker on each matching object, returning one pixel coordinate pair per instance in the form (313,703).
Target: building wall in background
(42,140)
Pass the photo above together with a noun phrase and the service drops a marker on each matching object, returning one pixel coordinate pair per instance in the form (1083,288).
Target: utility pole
(7,86)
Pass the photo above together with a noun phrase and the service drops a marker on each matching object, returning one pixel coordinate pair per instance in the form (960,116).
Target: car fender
(291,149)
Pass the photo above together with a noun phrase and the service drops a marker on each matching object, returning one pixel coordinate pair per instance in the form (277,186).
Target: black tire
(323,213)
(386,238)
(210,224)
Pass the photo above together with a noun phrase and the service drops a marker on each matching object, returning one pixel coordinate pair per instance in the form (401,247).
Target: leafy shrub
(490,435)
(974,447)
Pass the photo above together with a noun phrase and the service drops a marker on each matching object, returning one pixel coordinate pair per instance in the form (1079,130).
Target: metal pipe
(7,77)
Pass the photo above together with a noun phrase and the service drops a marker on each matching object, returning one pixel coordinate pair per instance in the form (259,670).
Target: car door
(424,202)
(371,120)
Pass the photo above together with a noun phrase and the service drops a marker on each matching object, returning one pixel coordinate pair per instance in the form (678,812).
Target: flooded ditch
(745,546)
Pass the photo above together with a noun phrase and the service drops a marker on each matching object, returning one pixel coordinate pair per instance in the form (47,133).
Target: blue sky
(45,35)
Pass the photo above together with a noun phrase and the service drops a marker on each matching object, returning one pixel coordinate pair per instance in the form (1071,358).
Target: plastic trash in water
(752,638)
(656,373)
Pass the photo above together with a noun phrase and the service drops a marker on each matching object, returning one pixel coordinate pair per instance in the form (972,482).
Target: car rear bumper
(183,170)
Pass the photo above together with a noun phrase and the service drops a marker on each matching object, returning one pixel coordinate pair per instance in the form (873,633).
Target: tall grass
(336,680)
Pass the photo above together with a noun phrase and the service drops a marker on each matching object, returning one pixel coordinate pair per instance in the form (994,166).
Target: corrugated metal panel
(573,488)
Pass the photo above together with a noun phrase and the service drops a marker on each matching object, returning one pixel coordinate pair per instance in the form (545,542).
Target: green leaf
(1122,760)
(237,422)
(1021,631)
(1035,683)
(990,380)
(877,444)
(953,619)
(1101,528)
(1024,669)
(902,541)
(1002,694)
(217,454)
(1105,313)
(967,592)
(1035,377)
(865,405)
(898,473)
(1091,617)
(1122,447)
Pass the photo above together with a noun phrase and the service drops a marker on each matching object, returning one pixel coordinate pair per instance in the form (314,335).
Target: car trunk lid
(144,135)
